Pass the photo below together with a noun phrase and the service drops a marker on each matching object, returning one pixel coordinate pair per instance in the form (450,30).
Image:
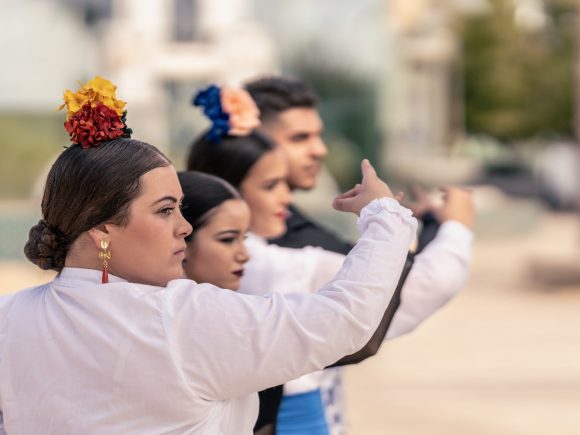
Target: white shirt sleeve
(286,270)
(440,271)
(229,345)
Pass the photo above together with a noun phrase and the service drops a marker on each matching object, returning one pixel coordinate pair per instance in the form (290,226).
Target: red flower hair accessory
(94,114)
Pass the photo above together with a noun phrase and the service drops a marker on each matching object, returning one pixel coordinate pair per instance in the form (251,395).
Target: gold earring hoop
(105,256)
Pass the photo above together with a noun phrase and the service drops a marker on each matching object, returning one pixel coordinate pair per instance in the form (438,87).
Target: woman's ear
(98,234)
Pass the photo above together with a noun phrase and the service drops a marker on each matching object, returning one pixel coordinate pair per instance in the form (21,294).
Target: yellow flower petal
(97,90)
(101,86)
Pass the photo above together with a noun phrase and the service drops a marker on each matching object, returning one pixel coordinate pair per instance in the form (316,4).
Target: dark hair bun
(45,247)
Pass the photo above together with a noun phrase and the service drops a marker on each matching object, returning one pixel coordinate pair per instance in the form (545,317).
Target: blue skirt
(302,414)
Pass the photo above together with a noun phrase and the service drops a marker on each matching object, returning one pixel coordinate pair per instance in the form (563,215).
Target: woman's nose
(286,196)
(243,255)
(184,228)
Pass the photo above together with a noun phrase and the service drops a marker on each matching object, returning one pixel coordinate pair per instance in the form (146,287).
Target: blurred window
(93,12)
(185,22)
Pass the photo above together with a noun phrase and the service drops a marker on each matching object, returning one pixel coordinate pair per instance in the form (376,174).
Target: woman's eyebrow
(173,199)
(166,198)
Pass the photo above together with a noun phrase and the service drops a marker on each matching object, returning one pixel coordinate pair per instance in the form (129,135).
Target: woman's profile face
(216,253)
(266,191)
(151,247)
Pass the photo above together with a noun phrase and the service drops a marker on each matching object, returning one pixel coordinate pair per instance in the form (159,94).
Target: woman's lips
(239,273)
(282,215)
(180,253)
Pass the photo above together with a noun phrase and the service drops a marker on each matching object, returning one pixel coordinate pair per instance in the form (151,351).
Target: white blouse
(80,357)
(438,274)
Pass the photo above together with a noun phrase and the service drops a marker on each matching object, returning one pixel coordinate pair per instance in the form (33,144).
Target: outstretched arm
(442,268)
(374,344)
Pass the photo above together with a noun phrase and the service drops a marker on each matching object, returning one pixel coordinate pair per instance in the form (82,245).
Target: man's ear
(99,233)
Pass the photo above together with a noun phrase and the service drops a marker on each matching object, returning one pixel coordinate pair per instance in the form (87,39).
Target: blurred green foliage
(29,142)
(519,82)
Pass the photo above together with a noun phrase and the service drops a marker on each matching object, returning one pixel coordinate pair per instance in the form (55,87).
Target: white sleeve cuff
(385,204)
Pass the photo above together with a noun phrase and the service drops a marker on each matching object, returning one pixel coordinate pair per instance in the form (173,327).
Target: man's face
(298,133)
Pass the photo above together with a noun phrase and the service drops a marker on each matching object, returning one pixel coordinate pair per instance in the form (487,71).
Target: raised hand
(421,204)
(457,205)
(371,187)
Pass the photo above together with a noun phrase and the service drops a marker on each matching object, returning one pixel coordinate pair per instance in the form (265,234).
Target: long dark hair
(231,158)
(201,194)
(86,188)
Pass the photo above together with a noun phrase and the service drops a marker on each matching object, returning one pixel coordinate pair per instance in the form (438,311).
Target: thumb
(368,171)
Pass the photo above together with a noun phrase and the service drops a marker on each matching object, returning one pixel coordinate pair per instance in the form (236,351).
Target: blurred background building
(436,91)
(158,53)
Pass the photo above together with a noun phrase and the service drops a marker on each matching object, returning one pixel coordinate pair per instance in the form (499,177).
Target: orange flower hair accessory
(244,114)
(232,111)
(94,114)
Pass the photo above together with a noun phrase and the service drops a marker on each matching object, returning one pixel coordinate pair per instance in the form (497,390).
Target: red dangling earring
(105,255)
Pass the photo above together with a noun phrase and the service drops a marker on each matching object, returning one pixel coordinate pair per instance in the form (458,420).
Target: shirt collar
(70,275)
(296,219)
(252,238)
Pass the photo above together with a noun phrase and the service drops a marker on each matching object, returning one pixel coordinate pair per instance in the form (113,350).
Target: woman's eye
(270,186)
(168,211)
(227,240)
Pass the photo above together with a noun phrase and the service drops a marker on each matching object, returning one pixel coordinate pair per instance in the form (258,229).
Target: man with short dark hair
(289,115)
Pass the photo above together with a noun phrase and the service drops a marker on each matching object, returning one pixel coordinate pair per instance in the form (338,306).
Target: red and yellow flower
(94,114)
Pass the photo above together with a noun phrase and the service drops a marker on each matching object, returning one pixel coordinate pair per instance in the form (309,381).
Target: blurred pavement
(501,359)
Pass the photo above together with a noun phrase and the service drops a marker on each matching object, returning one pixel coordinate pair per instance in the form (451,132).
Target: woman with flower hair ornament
(254,165)
(117,343)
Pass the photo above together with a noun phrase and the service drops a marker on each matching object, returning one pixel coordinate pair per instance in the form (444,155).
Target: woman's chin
(175,273)
(271,233)
(230,284)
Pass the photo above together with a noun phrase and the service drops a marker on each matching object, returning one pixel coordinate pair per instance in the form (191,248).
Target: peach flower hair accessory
(232,111)
(94,114)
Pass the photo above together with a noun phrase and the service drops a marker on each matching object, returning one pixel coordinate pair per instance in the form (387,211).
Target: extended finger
(350,193)
(368,170)
(342,204)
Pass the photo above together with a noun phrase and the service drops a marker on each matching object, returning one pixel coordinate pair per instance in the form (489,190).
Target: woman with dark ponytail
(118,343)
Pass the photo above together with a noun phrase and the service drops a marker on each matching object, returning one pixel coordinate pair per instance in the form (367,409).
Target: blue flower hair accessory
(231,111)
